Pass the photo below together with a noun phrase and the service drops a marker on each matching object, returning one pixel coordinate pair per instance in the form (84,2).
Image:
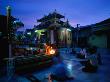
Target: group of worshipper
(92,59)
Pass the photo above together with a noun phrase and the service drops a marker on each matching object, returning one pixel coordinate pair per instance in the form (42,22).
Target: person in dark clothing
(92,63)
(60,74)
(99,59)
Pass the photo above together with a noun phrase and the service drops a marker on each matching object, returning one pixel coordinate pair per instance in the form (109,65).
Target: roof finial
(8,7)
(55,14)
(67,21)
(55,19)
(55,10)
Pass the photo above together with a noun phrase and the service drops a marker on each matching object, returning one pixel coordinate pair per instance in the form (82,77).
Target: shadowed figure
(60,74)
(92,63)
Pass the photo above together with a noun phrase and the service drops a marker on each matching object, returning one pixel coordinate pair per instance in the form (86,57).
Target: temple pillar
(52,38)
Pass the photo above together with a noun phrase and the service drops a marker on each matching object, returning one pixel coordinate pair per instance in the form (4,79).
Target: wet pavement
(74,69)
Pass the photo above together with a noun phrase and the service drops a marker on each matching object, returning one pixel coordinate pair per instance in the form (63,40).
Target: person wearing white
(92,63)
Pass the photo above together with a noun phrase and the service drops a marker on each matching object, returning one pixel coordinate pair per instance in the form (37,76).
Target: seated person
(77,52)
(60,74)
(82,53)
(73,51)
(99,59)
(92,63)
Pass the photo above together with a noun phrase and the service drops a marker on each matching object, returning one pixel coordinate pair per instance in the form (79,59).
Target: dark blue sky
(83,12)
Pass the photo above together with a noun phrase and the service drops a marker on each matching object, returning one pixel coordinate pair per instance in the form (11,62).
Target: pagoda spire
(67,21)
(55,11)
(55,19)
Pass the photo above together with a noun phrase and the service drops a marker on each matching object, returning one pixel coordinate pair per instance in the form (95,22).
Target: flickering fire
(49,50)
(52,51)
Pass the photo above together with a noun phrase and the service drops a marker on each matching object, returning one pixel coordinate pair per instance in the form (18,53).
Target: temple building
(94,35)
(100,36)
(53,30)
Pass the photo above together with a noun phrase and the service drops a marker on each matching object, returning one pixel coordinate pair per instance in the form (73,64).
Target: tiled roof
(50,16)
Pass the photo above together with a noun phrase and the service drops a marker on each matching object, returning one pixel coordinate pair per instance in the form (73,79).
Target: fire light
(52,51)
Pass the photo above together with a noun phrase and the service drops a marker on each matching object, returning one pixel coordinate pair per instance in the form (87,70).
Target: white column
(52,37)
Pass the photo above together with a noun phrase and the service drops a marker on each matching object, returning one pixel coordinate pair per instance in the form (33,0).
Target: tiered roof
(51,16)
(52,20)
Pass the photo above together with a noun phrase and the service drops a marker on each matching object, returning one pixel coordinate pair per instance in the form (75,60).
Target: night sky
(83,12)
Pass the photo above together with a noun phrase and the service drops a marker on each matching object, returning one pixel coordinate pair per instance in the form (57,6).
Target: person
(59,74)
(73,51)
(92,63)
(83,53)
(99,59)
(77,52)
(38,51)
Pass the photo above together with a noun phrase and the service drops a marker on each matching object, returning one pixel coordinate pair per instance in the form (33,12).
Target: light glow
(52,51)
(69,66)
(49,50)
(36,30)
(29,33)
(68,29)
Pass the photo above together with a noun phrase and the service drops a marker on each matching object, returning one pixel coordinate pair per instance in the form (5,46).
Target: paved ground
(74,68)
